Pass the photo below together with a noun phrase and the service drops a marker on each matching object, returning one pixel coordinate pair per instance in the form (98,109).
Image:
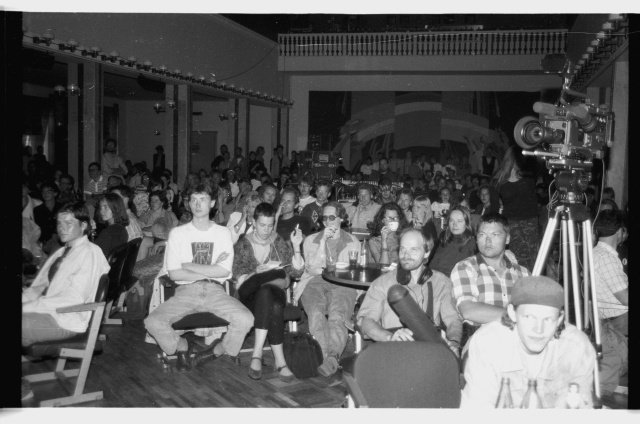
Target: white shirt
(234,218)
(304,202)
(186,243)
(75,283)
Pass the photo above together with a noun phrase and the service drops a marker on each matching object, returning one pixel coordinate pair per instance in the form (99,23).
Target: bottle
(504,397)
(574,399)
(364,254)
(531,399)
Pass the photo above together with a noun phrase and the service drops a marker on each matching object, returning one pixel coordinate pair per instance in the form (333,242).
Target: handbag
(302,354)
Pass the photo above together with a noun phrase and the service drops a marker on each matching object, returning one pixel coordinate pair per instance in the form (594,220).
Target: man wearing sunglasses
(321,298)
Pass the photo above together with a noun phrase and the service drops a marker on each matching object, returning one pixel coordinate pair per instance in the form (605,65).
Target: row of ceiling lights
(614,32)
(48,39)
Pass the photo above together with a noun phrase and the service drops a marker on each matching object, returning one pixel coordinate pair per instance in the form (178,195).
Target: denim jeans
(42,328)
(321,299)
(199,297)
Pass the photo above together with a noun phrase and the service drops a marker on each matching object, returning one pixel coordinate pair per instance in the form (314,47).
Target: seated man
(531,341)
(482,283)
(366,210)
(69,277)
(378,320)
(94,188)
(198,257)
(612,286)
(305,187)
(321,298)
(313,211)
(286,219)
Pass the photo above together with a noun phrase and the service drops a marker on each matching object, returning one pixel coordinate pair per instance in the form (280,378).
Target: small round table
(353,276)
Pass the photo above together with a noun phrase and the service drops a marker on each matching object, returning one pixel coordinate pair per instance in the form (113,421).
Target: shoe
(184,359)
(255,374)
(335,378)
(26,392)
(286,378)
(206,354)
(328,366)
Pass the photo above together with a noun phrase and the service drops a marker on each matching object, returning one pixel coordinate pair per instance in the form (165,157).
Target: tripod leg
(588,236)
(547,239)
(564,242)
(575,276)
(586,278)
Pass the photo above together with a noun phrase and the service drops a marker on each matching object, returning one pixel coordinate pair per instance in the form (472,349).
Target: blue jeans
(199,297)
(321,299)
(42,328)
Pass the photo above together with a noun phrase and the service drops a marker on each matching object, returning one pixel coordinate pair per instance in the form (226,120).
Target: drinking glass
(331,264)
(353,258)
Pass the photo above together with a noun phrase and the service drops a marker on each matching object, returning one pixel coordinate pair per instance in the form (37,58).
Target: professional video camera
(570,136)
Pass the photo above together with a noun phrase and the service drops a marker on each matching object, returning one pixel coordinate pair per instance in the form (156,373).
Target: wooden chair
(125,282)
(404,375)
(79,347)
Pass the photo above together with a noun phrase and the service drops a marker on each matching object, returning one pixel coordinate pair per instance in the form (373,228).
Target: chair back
(116,260)
(129,263)
(408,375)
(103,284)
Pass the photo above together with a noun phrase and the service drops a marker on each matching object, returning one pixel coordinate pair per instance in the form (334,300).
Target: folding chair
(125,282)
(205,324)
(404,375)
(80,347)
(116,258)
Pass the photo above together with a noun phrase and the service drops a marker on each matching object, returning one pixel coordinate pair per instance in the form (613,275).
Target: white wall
(260,131)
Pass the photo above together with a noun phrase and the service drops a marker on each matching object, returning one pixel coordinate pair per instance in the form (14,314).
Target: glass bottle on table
(364,254)
(505,401)
(574,398)
(532,399)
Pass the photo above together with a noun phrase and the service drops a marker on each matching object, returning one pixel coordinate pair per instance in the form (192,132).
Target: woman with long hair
(520,206)
(387,224)
(113,213)
(157,222)
(224,204)
(422,219)
(457,241)
(489,201)
(261,284)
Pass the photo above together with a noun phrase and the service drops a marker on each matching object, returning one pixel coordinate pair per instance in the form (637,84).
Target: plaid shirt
(610,279)
(476,281)
(96,187)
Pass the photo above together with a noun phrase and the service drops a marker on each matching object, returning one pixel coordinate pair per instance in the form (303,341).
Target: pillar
(91,139)
(182,133)
(617,176)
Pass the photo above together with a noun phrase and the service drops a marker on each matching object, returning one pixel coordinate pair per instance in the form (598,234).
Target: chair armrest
(80,308)
(354,391)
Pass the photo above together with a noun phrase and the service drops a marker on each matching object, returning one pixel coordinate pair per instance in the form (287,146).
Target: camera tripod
(568,215)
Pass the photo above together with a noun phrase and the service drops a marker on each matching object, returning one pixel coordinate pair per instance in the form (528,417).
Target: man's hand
(296,236)
(329,232)
(156,247)
(454,345)
(402,335)
(262,268)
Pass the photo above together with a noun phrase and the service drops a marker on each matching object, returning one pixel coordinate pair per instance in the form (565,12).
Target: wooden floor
(130,375)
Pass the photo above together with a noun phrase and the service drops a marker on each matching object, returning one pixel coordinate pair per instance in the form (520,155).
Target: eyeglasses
(330,218)
(304,186)
(392,219)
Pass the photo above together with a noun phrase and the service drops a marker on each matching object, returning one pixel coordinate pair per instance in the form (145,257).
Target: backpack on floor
(302,354)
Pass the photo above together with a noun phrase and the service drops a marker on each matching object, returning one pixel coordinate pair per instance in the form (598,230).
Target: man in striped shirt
(482,283)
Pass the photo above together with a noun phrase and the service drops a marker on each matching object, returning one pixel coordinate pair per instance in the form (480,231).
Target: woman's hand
(329,232)
(262,268)
(156,247)
(383,234)
(296,236)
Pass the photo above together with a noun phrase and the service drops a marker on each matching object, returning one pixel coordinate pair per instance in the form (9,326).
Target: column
(243,124)
(617,176)
(168,136)
(91,92)
(182,133)
(74,105)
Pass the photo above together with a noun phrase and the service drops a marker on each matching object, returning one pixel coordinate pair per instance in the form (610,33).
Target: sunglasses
(330,218)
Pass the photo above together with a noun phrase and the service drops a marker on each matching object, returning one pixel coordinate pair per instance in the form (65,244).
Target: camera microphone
(411,315)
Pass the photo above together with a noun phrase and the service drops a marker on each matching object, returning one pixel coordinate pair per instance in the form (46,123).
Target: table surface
(356,276)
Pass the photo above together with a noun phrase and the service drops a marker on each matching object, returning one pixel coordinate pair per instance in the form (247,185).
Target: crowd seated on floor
(444,231)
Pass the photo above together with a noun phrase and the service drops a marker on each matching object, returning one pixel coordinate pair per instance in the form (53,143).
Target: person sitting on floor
(387,225)
(69,277)
(532,341)
(113,213)
(457,242)
(261,284)
(199,257)
(377,319)
(321,298)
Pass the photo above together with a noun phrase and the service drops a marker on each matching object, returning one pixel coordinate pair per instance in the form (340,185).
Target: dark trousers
(266,302)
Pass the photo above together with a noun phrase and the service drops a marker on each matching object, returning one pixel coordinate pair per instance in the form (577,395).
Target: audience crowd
(463,235)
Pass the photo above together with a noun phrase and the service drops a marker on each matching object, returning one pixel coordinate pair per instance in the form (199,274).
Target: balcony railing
(530,42)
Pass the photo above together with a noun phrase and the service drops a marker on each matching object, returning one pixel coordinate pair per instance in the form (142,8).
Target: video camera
(570,136)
